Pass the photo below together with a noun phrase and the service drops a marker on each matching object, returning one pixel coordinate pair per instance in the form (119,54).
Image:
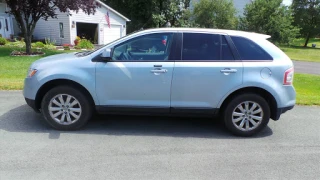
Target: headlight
(32,72)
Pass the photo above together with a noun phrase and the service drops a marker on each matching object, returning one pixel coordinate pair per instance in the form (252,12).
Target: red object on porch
(108,19)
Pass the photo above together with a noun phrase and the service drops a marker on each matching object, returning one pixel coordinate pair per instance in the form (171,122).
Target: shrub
(3,41)
(66,46)
(85,44)
(48,41)
(38,44)
(49,46)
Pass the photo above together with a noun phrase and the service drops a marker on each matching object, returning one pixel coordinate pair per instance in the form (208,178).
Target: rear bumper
(32,104)
(281,111)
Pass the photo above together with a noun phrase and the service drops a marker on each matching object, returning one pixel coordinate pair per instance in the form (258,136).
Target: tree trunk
(307,40)
(27,40)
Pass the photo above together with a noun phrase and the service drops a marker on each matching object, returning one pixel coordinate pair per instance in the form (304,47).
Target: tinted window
(226,52)
(147,47)
(198,46)
(249,50)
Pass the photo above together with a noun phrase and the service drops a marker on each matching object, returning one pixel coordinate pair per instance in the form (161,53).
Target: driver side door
(138,77)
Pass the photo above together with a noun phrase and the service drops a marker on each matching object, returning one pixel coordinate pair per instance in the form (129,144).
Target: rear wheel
(66,108)
(246,114)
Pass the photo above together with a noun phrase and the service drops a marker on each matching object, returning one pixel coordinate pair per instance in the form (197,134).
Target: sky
(287,2)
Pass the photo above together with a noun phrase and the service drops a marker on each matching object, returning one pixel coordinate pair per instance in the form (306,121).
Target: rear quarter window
(249,50)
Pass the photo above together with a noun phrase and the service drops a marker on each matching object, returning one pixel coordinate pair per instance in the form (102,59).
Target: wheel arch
(256,90)
(60,82)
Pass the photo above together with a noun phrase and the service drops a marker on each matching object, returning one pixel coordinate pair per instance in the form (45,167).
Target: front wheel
(246,114)
(66,108)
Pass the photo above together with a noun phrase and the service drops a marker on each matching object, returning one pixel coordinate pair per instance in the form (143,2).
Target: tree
(215,14)
(152,13)
(269,17)
(306,15)
(28,12)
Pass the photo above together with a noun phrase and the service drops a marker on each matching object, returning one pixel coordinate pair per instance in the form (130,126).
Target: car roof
(250,35)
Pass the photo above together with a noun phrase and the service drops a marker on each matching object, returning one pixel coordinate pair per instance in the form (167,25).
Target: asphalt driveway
(124,147)
(307,67)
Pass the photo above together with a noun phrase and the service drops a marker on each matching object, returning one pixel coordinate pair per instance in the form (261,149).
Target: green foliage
(269,17)
(152,13)
(306,15)
(16,44)
(3,41)
(48,41)
(85,44)
(38,45)
(215,14)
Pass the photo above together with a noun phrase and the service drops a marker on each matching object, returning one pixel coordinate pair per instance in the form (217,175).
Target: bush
(85,44)
(66,46)
(37,45)
(3,41)
(49,46)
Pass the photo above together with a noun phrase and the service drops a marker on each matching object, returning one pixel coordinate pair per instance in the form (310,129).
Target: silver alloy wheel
(247,116)
(65,109)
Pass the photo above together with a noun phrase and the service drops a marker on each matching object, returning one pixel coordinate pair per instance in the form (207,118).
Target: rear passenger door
(207,71)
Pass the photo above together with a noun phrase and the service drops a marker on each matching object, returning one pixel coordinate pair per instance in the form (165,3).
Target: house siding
(50,29)
(98,18)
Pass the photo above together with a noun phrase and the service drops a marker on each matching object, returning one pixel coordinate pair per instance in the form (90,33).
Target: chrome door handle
(159,71)
(229,70)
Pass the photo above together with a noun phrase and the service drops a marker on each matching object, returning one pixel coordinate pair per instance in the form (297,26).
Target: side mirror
(107,54)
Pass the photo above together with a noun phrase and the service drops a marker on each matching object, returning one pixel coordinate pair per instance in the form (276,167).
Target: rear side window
(249,50)
(198,46)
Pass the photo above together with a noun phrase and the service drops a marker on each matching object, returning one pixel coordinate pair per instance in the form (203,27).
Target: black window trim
(172,48)
(271,60)
(232,47)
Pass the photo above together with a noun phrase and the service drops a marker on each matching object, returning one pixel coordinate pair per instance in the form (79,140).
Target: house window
(7,26)
(61,30)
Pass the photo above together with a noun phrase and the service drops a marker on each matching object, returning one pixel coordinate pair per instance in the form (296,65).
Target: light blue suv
(240,76)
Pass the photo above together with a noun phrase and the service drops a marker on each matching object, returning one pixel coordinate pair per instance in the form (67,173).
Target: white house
(7,24)
(95,27)
(66,28)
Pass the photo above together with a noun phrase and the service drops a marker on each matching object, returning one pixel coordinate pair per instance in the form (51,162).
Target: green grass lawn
(301,41)
(13,70)
(308,89)
(297,52)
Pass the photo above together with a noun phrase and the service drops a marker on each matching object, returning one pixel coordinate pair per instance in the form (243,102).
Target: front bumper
(281,111)
(32,104)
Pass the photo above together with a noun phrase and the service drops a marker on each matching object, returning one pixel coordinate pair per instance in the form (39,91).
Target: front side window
(153,47)
(248,50)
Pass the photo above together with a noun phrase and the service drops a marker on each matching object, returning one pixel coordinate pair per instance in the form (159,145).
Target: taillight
(288,76)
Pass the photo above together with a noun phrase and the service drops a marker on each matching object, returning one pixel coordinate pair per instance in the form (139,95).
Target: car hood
(54,59)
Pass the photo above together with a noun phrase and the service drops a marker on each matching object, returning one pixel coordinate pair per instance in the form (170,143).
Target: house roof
(114,11)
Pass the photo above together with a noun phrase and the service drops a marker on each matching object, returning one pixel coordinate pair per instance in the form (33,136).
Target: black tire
(85,104)
(234,103)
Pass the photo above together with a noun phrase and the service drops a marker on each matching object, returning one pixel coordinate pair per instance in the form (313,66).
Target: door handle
(159,71)
(228,70)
